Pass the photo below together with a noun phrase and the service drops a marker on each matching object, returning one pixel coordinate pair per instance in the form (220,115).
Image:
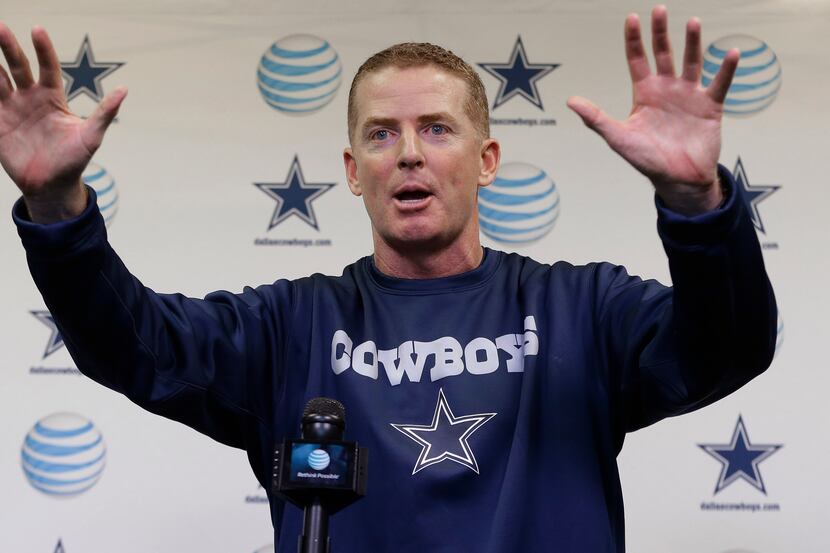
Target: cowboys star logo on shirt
(446,437)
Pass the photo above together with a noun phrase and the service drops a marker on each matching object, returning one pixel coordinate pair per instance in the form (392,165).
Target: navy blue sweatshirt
(493,402)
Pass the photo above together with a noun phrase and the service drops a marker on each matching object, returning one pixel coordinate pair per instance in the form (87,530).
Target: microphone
(324,419)
(320,472)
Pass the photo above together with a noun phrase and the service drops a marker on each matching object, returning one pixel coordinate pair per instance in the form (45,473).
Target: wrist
(55,207)
(691,200)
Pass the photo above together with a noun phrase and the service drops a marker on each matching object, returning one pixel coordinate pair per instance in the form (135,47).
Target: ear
(350,164)
(490,160)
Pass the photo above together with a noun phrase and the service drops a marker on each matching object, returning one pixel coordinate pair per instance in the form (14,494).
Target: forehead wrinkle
(385,86)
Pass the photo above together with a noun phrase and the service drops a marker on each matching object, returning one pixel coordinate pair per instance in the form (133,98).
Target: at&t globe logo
(318,459)
(757,79)
(779,338)
(299,74)
(520,206)
(102,182)
(63,455)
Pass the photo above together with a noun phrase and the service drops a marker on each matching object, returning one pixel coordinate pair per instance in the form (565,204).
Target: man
(494,392)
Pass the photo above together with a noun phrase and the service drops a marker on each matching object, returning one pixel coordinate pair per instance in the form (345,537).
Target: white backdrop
(195,134)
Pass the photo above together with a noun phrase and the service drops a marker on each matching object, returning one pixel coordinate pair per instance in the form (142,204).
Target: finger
(18,64)
(49,68)
(720,84)
(5,85)
(635,53)
(660,43)
(594,118)
(97,124)
(692,55)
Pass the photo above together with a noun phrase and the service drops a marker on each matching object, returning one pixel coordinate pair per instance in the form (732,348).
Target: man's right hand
(44,147)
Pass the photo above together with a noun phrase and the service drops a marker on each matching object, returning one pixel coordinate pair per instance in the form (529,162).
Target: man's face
(417,159)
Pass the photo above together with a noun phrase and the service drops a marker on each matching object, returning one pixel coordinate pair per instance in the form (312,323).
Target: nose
(410,154)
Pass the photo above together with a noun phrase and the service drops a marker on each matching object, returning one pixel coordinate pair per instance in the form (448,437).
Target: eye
(437,129)
(381,134)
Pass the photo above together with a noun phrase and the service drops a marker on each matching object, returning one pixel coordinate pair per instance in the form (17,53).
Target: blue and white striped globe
(104,186)
(520,206)
(318,459)
(299,74)
(757,79)
(779,338)
(63,455)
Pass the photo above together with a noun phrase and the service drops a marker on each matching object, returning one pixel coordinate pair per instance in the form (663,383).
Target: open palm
(44,148)
(672,134)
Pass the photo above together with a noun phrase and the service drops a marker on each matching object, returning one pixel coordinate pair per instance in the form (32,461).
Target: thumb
(99,121)
(593,117)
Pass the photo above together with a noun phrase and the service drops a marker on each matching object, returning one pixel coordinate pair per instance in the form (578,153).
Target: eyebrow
(422,120)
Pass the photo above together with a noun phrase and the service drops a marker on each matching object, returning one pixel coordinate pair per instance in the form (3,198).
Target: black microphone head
(324,419)
(325,406)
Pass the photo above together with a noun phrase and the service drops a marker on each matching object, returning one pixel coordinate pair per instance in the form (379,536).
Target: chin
(418,239)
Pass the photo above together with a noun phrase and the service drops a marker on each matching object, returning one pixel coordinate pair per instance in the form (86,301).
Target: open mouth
(412,196)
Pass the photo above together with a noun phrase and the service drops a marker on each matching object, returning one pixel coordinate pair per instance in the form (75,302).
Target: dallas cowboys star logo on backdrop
(59,548)
(84,75)
(55,339)
(294,196)
(740,458)
(518,77)
(445,439)
(753,194)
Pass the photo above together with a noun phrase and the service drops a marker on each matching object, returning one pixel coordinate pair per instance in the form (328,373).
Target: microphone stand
(315,536)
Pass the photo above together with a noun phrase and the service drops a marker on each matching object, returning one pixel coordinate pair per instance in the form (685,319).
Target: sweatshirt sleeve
(673,350)
(209,363)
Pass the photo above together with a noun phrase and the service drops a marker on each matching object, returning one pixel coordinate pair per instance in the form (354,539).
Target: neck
(422,262)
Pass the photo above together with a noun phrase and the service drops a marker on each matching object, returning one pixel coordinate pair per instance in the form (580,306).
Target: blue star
(753,194)
(84,75)
(55,339)
(59,548)
(518,76)
(446,437)
(740,458)
(294,196)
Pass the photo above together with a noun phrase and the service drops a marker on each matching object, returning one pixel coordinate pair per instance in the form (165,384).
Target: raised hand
(673,133)
(44,148)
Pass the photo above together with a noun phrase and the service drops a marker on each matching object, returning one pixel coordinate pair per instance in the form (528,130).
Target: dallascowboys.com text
(739,506)
(304,242)
(522,121)
(54,370)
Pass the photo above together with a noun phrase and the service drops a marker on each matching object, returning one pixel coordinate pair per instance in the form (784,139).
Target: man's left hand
(673,133)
